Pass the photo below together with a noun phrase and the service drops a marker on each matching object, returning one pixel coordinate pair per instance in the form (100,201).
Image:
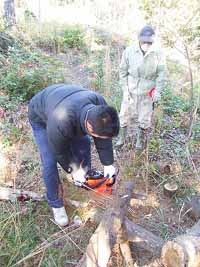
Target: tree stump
(170,189)
(184,251)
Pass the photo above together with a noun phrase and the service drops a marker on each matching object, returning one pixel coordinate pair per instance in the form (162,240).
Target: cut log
(192,208)
(143,238)
(19,195)
(184,251)
(110,231)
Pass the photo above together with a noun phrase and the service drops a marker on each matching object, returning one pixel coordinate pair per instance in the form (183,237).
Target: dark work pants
(80,147)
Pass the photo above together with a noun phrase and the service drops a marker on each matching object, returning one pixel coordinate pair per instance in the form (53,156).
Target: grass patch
(27,228)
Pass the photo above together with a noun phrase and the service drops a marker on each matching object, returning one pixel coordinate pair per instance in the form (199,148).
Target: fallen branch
(14,195)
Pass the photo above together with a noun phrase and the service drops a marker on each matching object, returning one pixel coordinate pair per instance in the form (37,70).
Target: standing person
(143,76)
(62,118)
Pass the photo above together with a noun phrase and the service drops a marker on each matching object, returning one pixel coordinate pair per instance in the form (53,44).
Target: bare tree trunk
(191,76)
(9,12)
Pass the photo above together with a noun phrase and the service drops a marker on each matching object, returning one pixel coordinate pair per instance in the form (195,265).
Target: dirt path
(74,69)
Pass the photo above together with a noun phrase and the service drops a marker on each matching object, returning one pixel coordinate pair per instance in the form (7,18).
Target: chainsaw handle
(112,180)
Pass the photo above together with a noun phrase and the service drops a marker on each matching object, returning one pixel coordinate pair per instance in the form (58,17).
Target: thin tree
(9,13)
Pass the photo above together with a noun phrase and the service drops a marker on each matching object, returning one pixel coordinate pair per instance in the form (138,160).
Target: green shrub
(27,72)
(173,104)
(73,37)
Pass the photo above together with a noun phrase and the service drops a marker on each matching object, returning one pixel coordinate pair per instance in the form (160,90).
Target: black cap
(146,34)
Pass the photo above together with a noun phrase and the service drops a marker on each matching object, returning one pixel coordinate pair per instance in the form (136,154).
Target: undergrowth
(26,70)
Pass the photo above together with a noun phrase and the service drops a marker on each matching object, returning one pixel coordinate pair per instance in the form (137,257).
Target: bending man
(62,119)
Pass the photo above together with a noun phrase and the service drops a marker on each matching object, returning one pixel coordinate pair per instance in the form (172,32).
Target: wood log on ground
(19,195)
(184,251)
(143,238)
(136,234)
(192,208)
(110,231)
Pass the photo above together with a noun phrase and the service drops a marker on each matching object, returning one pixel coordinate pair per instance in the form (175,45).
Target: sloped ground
(27,229)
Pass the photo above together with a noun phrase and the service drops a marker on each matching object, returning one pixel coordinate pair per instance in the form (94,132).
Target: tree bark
(143,238)
(184,251)
(9,12)
(191,75)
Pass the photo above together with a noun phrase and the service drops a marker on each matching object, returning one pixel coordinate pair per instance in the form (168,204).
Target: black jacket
(61,109)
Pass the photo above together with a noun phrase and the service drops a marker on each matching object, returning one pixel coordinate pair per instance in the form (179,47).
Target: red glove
(151,91)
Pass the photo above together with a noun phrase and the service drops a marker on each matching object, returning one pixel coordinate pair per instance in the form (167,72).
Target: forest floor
(29,237)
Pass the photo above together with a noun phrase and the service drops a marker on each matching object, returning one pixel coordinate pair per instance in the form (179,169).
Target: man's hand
(109,171)
(79,176)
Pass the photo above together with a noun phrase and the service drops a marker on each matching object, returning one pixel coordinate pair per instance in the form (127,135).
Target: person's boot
(141,141)
(122,137)
(60,216)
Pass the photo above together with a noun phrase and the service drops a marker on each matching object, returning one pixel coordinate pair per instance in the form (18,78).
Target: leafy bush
(27,72)
(9,104)
(97,73)
(174,103)
(55,36)
(73,37)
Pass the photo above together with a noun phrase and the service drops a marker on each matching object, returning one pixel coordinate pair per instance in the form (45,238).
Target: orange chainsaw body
(96,181)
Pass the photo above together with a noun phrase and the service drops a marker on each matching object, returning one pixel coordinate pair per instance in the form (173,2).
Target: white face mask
(145,47)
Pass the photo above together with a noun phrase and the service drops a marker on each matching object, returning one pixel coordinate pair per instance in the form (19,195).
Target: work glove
(79,176)
(156,96)
(109,171)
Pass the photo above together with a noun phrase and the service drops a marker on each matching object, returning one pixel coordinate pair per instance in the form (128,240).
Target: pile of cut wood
(116,229)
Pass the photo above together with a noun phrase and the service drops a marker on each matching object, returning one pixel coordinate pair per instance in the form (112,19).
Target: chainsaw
(96,181)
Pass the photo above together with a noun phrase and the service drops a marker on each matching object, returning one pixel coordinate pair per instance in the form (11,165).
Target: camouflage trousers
(136,111)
